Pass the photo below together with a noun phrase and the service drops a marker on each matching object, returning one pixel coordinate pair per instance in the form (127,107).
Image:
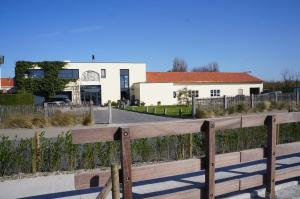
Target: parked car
(59,100)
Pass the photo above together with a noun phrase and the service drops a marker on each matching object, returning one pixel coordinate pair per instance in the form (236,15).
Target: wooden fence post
(271,156)
(252,100)
(46,110)
(190,145)
(297,97)
(225,102)
(208,128)
(193,106)
(36,152)
(91,111)
(115,190)
(126,162)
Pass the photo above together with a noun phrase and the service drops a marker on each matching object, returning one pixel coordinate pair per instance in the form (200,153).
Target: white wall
(151,93)
(110,86)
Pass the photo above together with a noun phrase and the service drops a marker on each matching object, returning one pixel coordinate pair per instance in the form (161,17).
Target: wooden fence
(211,161)
(290,99)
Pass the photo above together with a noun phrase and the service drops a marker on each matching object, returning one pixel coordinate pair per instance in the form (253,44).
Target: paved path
(123,117)
(160,187)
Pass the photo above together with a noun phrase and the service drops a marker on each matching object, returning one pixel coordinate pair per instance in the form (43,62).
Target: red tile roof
(7,82)
(200,77)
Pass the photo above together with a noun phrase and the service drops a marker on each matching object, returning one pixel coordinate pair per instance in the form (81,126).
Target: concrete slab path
(63,186)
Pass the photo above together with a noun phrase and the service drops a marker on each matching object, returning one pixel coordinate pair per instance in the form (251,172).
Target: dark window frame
(30,73)
(103,73)
(73,75)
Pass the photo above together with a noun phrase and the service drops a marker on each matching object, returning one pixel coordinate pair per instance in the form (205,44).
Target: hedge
(16,99)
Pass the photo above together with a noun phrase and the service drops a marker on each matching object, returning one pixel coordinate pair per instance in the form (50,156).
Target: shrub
(201,113)
(158,103)
(219,112)
(241,108)
(87,119)
(18,121)
(63,119)
(231,110)
(16,99)
(143,103)
(273,105)
(261,106)
(113,103)
(39,121)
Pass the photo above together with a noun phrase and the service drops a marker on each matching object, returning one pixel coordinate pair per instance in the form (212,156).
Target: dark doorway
(90,93)
(254,91)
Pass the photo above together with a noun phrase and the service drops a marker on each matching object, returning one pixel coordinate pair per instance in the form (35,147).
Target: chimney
(93,58)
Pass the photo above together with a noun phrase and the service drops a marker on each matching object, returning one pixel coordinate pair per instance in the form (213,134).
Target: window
(214,93)
(193,93)
(35,73)
(124,83)
(68,74)
(240,91)
(103,73)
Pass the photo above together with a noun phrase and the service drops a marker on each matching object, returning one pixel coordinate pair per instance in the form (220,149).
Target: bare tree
(211,67)
(179,65)
(290,79)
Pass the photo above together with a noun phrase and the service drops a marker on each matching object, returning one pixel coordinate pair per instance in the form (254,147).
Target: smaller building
(6,84)
(163,86)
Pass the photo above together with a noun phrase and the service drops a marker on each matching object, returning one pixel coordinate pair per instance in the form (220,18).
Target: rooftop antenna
(93,58)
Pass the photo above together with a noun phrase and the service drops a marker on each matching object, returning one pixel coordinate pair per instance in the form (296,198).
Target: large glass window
(68,74)
(124,83)
(35,73)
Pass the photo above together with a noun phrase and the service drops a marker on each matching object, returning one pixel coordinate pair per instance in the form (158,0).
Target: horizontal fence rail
(209,163)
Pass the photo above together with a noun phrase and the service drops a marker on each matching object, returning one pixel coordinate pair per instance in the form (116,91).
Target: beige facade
(90,75)
(151,93)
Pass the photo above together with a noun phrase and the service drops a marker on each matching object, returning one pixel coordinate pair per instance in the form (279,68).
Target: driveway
(123,117)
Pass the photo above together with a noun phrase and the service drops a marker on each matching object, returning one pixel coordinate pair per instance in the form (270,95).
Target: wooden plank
(252,181)
(126,162)
(82,136)
(95,179)
(227,187)
(271,156)
(227,159)
(287,173)
(208,128)
(252,155)
(158,170)
(161,170)
(188,194)
(290,148)
(147,130)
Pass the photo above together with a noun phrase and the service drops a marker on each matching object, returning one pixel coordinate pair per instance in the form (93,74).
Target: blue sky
(262,36)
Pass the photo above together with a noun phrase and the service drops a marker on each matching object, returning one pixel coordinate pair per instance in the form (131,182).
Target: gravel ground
(290,192)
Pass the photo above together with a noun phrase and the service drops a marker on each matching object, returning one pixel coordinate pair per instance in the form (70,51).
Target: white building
(101,82)
(163,86)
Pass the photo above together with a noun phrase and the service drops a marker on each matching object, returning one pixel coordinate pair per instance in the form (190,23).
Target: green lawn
(171,110)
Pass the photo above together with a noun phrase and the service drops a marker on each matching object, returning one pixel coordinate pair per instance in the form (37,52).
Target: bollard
(109,112)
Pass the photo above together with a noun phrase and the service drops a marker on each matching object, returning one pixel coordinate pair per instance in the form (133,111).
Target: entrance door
(90,93)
